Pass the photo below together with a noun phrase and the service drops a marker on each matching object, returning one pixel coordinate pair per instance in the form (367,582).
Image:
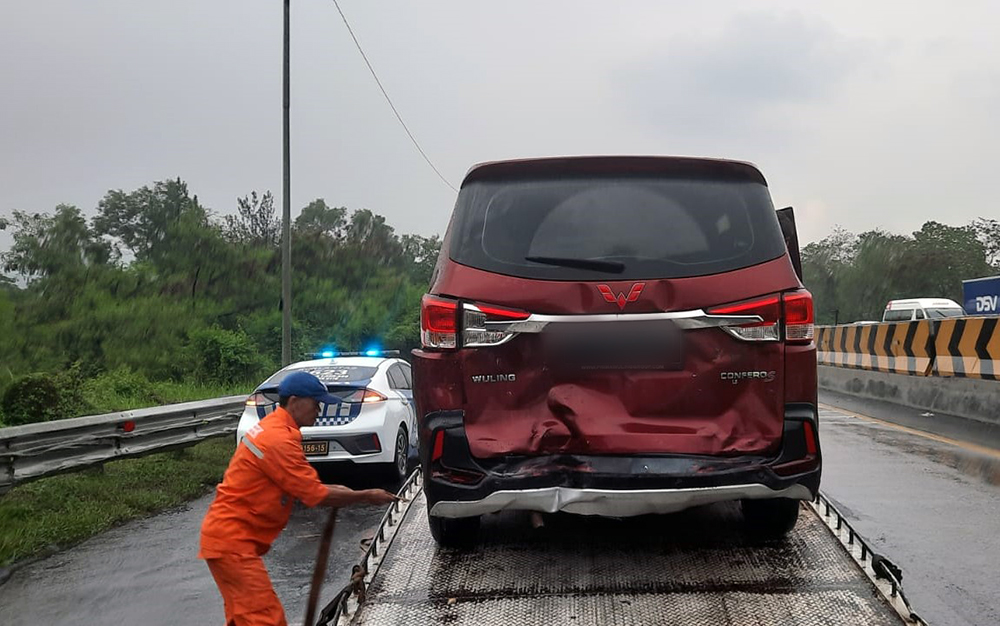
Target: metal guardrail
(37,450)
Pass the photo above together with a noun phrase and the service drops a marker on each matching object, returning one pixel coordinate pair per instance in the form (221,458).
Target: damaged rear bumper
(459,485)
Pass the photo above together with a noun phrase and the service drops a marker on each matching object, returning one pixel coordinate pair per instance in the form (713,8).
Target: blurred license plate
(315,448)
(616,345)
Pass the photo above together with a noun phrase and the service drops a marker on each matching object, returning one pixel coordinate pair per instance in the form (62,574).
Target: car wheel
(396,471)
(770,519)
(457,532)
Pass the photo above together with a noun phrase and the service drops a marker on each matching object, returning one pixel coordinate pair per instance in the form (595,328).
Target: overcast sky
(860,114)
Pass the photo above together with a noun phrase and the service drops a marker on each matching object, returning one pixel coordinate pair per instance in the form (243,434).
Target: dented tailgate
(527,397)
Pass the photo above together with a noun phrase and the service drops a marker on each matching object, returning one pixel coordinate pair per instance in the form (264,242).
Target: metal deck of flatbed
(692,568)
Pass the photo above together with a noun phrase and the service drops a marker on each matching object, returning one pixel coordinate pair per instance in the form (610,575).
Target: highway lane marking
(920,433)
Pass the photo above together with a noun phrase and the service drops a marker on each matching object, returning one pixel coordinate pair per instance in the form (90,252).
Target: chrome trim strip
(611,502)
(686,320)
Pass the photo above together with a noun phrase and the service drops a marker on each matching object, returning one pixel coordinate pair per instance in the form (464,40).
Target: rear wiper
(611,267)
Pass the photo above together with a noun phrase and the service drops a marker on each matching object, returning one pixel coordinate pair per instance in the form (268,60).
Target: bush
(224,356)
(120,382)
(43,397)
(32,398)
(119,389)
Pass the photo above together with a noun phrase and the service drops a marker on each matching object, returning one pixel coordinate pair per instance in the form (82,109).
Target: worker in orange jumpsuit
(268,472)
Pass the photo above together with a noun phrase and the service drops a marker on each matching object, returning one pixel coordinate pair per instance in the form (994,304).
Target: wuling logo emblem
(621,299)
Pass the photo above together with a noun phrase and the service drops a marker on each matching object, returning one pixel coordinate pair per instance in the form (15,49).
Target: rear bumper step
(610,502)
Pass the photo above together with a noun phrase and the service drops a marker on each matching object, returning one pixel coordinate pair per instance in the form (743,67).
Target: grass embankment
(63,510)
(109,399)
(58,511)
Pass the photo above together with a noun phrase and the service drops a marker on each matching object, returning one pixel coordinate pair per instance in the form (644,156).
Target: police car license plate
(315,448)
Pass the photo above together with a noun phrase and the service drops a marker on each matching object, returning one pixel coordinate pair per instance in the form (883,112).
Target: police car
(373,424)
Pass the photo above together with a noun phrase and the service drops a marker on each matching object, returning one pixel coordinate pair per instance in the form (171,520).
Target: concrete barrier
(948,348)
(968,398)
(968,347)
(900,348)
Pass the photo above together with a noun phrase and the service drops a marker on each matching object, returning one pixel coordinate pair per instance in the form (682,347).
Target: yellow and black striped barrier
(898,348)
(963,347)
(968,347)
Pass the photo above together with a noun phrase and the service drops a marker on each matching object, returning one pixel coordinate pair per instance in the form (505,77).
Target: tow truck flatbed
(695,567)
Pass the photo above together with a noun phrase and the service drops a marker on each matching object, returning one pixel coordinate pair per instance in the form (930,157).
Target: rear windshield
(646,228)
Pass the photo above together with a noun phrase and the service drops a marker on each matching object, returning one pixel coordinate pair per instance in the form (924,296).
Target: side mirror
(786,219)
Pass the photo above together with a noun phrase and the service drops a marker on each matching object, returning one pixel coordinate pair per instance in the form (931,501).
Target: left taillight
(443,320)
(438,323)
(793,310)
(438,446)
(476,330)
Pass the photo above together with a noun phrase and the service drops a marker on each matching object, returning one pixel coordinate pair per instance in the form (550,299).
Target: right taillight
(767,308)
(793,308)
(810,432)
(799,318)
(438,323)
(365,396)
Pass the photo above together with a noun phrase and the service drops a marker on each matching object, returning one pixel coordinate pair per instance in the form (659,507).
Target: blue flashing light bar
(329,354)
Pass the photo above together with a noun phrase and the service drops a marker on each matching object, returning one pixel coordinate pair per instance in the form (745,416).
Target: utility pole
(286,214)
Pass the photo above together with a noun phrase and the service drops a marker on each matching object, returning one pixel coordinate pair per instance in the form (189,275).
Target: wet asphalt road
(146,572)
(931,507)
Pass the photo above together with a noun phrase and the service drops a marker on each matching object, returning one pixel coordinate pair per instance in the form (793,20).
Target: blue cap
(305,385)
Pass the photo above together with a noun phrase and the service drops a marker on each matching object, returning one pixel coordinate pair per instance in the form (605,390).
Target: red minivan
(616,336)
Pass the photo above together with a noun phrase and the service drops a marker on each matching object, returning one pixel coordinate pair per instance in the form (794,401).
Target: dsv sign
(986,304)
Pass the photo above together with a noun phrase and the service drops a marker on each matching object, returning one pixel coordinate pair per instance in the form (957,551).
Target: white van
(921,309)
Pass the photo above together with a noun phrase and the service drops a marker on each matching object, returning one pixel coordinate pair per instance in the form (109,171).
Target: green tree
(988,233)
(143,220)
(255,222)
(421,254)
(946,255)
(49,245)
(158,287)
(823,265)
(318,218)
(368,235)
(852,277)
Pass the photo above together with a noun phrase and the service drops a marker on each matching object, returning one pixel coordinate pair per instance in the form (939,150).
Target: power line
(389,100)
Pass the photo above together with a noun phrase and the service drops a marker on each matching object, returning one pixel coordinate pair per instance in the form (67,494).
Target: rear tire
(770,519)
(397,470)
(457,532)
